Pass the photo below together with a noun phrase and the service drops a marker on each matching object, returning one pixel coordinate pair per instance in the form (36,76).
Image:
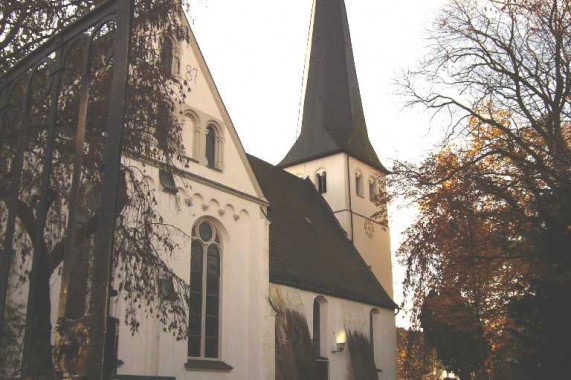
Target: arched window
(316,328)
(373,317)
(164,125)
(211,146)
(320,327)
(373,190)
(176,64)
(320,337)
(321,181)
(204,329)
(359,183)
(167,55)
(188,134)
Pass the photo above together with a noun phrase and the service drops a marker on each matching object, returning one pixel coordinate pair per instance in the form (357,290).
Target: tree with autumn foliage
(494,200)
(143,239)
(415,359)
(452,328)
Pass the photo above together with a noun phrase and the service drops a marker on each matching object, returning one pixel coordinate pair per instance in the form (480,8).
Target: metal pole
(39,255)
(102,264)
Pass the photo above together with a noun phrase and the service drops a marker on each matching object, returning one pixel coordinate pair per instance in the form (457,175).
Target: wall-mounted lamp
(340,347)
(340,342)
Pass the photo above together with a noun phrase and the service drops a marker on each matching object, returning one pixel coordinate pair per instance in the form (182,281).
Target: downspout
(350,203)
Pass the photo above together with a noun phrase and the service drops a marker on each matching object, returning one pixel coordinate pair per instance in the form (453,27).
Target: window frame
(217,145)
(215,240)
(214,135)
(173,69)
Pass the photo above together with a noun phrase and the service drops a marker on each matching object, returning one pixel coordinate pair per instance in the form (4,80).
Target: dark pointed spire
(333,120)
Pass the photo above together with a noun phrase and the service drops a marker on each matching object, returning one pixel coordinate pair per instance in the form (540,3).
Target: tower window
(321,179)
(359,183)
(204,328)
(373,190)
(167,55)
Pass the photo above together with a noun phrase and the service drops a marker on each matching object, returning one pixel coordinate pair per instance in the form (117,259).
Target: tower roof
(333,120)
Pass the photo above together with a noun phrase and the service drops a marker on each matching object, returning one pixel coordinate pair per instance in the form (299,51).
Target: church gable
(212,148)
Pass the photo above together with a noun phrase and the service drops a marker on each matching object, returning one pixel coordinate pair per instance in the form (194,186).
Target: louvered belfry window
(204,329)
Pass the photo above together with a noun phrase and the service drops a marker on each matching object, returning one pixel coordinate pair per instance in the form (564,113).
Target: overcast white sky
(256,52)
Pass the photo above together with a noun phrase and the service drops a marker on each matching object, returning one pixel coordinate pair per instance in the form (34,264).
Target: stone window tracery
(205,263)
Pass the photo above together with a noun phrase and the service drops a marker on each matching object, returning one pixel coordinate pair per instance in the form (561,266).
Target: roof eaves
(289,163)
(390,305)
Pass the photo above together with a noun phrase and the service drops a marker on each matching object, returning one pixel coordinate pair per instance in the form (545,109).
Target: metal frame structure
(53,55)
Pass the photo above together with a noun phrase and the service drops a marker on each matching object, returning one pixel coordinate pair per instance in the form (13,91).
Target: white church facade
(277,240)
(289,276)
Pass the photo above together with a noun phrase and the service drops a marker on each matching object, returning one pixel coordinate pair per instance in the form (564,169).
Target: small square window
(167,181)
(166,289)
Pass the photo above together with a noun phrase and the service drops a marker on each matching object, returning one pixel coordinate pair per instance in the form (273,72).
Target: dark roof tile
(308,247)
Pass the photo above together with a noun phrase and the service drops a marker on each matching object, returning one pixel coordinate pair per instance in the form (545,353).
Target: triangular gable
(225,117)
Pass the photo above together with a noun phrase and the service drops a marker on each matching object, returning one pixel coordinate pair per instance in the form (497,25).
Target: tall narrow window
(204,329)
(167,55)
(373,190)
(320,337)
(164,125)
(359,183)
(373,316)
(316,328)
(211,147)
(321,179)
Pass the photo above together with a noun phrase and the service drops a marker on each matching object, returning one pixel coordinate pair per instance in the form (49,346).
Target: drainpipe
(350,196)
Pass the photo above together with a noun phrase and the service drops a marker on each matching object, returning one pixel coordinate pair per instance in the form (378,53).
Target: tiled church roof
(308,247)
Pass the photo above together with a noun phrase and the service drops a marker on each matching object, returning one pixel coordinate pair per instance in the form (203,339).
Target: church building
(290,276)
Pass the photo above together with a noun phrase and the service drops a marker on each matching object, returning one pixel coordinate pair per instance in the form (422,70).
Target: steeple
(333,120)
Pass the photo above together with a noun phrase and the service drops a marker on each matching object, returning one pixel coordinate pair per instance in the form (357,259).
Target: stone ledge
(207,365)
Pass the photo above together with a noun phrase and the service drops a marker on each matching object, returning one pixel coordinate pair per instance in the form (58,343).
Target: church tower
(333,148)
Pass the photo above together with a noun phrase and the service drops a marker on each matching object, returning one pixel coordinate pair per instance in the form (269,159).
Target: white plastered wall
(341,315)
(203,107)
(232,198)
(247,321)
(375,247)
